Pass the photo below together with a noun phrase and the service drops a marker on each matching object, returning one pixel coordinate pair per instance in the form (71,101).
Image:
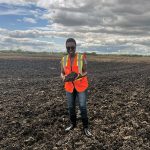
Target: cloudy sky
(102,26)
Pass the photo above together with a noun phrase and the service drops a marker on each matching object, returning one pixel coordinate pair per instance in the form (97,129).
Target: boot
(70,127)
(87,132)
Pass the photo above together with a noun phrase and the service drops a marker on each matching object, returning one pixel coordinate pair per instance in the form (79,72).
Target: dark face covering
(71,48)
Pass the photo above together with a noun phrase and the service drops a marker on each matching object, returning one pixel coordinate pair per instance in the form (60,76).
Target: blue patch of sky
(58,40)
(12,6)
(103,49)
(14,21)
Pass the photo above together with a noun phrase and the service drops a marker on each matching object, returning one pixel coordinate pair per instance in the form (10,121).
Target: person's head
(71,46)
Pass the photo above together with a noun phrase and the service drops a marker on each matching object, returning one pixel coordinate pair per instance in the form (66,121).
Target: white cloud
(85,42)
(11,12)
(18,2)
(29,20)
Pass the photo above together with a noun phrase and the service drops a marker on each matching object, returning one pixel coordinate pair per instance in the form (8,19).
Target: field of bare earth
(33,108)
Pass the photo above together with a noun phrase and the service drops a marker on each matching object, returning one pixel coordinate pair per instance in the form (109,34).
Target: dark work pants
(71,101)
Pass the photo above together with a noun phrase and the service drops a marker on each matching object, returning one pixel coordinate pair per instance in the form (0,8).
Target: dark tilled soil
(33,109)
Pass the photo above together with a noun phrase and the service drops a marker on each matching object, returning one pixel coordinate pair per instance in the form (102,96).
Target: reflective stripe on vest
(79,62)
(64,61)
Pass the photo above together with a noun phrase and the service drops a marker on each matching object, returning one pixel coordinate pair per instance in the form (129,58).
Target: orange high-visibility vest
(80,84)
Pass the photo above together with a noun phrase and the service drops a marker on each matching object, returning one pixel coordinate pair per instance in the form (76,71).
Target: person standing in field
(74,75)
